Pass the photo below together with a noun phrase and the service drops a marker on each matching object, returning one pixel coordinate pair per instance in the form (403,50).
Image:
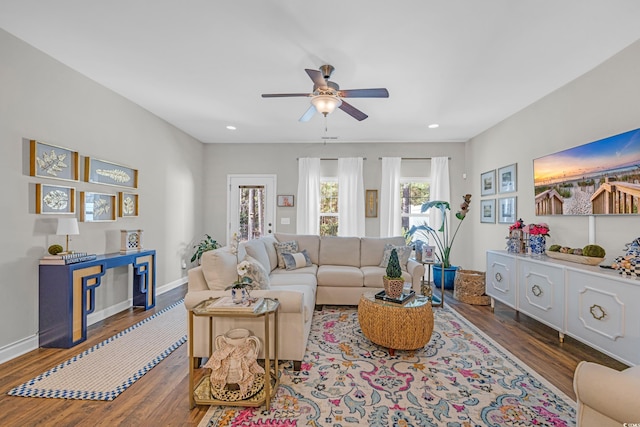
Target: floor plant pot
(449,276)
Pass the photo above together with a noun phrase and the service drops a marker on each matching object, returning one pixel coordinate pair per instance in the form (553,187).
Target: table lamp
(67,226)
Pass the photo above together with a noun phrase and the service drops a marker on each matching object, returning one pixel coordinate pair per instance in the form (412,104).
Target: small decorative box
(130,241)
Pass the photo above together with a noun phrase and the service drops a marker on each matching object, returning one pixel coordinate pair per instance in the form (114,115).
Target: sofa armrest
(608,392)
(415,268)
(196,280)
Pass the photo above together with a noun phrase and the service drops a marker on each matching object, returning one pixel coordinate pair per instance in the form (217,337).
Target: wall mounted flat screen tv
(598,178)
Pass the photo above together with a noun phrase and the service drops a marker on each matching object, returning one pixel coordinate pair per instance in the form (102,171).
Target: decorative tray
(580,259)
(382,295)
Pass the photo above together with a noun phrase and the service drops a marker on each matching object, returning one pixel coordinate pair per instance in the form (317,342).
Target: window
(413,193)
(328,206)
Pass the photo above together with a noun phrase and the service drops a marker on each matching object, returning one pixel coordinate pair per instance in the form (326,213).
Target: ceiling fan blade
(364,93)
(352,111)
(308,114)
(316,76)
(283,95)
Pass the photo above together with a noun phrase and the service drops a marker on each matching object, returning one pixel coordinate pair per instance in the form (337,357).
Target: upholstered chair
(606,397)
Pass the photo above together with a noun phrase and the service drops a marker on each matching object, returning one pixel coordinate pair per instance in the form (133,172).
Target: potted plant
(393,281)
(442,238)
(206,244)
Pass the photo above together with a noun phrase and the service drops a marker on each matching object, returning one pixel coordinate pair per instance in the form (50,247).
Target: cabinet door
(501,277)
(541,292)
(603,312)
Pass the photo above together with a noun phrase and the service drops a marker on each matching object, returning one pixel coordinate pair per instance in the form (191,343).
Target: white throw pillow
(219,268)
(404,252)
(257,273)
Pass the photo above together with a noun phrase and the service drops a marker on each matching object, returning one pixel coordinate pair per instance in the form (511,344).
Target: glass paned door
(251,207)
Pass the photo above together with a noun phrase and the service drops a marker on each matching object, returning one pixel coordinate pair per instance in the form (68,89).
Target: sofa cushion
(296,260)
(269,240)
(219,268)
(372,248)
(340,276)
(281,247)
(311,270)
(340,251)
(257,250)
(257,273)
(305,241)
(404,252)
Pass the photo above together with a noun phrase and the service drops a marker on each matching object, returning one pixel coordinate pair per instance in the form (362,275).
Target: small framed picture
(488,211)
(285,201)
(95,207)
(51,161)
(55,199)
(371,204)
(507,213)
(428,253)
(127,204)
(488,183)
(507,179)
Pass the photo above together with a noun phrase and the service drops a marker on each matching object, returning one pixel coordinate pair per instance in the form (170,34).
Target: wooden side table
(395,326)
(200,394)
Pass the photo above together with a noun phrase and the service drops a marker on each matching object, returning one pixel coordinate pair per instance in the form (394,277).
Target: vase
(239,295)
(537,245)
(449,276)
(393,287)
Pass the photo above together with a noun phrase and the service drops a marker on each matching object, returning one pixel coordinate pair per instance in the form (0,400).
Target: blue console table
(67,294)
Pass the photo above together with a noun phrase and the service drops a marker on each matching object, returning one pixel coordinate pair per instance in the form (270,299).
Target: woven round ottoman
(395,326)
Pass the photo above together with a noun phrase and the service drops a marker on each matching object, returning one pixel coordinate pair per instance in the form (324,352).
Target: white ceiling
(203,64)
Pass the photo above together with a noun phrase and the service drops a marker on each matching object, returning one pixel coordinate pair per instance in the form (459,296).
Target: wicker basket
(469,287)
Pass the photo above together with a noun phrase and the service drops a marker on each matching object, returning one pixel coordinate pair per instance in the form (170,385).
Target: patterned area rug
(461,378)
(109,368)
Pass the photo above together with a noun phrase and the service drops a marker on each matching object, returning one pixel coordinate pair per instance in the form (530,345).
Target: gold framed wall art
(127,204)
(104,172)
(97,207)
(51,161)
(55,199)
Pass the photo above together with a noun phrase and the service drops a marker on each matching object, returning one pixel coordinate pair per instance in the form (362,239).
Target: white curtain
(390,212)
(308,211)
(350,197)
(439,189)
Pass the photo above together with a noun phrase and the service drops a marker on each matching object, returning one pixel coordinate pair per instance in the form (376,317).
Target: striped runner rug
(109,368)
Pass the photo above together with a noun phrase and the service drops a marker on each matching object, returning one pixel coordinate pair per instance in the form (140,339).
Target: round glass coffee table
(396,326)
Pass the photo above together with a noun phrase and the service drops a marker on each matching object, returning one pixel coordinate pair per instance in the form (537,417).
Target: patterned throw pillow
(257,273)
(281,247)
(404,252)
(297,260)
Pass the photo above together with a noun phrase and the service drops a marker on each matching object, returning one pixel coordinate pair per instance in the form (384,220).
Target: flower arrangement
(443,243)
(242,268)
(541,229)
(518,225)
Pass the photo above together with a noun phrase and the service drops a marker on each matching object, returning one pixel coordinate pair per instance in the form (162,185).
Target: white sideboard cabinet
(595,306)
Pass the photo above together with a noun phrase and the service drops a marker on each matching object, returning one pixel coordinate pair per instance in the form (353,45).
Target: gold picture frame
(371,204)
(98,207)
(52,161)
(103,172)
(55,199)
(127,204)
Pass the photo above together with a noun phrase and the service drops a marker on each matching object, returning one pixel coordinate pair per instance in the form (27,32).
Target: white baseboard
(27,344)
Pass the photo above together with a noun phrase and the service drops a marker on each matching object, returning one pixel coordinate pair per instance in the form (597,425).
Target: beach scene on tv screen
(598,178)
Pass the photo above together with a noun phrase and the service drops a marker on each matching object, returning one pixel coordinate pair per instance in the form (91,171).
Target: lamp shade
(325,104)
(67,226)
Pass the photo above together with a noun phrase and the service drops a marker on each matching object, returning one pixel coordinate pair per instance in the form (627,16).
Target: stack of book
(64,259)
(226,304)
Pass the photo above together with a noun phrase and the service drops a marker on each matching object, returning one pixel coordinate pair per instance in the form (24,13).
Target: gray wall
(44,100)
(281,159)
(601,103)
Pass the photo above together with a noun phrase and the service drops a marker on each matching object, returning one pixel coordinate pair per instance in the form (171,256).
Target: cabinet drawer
(601,313)
(501,278)
(541,292)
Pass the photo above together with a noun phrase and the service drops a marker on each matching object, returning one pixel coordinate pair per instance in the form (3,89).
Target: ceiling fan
(327,95)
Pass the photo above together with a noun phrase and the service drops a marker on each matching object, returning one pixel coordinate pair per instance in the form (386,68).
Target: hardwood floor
(160,398)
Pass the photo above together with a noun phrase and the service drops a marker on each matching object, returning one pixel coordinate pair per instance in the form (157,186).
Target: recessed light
(433,125)
(231,127)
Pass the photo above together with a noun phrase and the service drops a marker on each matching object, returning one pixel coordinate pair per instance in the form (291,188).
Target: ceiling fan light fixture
(326,104)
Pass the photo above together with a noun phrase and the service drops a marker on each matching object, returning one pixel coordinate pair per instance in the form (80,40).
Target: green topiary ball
(594,251)
(55,249)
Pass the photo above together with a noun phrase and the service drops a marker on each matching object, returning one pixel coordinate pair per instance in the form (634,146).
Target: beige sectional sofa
(341,269)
